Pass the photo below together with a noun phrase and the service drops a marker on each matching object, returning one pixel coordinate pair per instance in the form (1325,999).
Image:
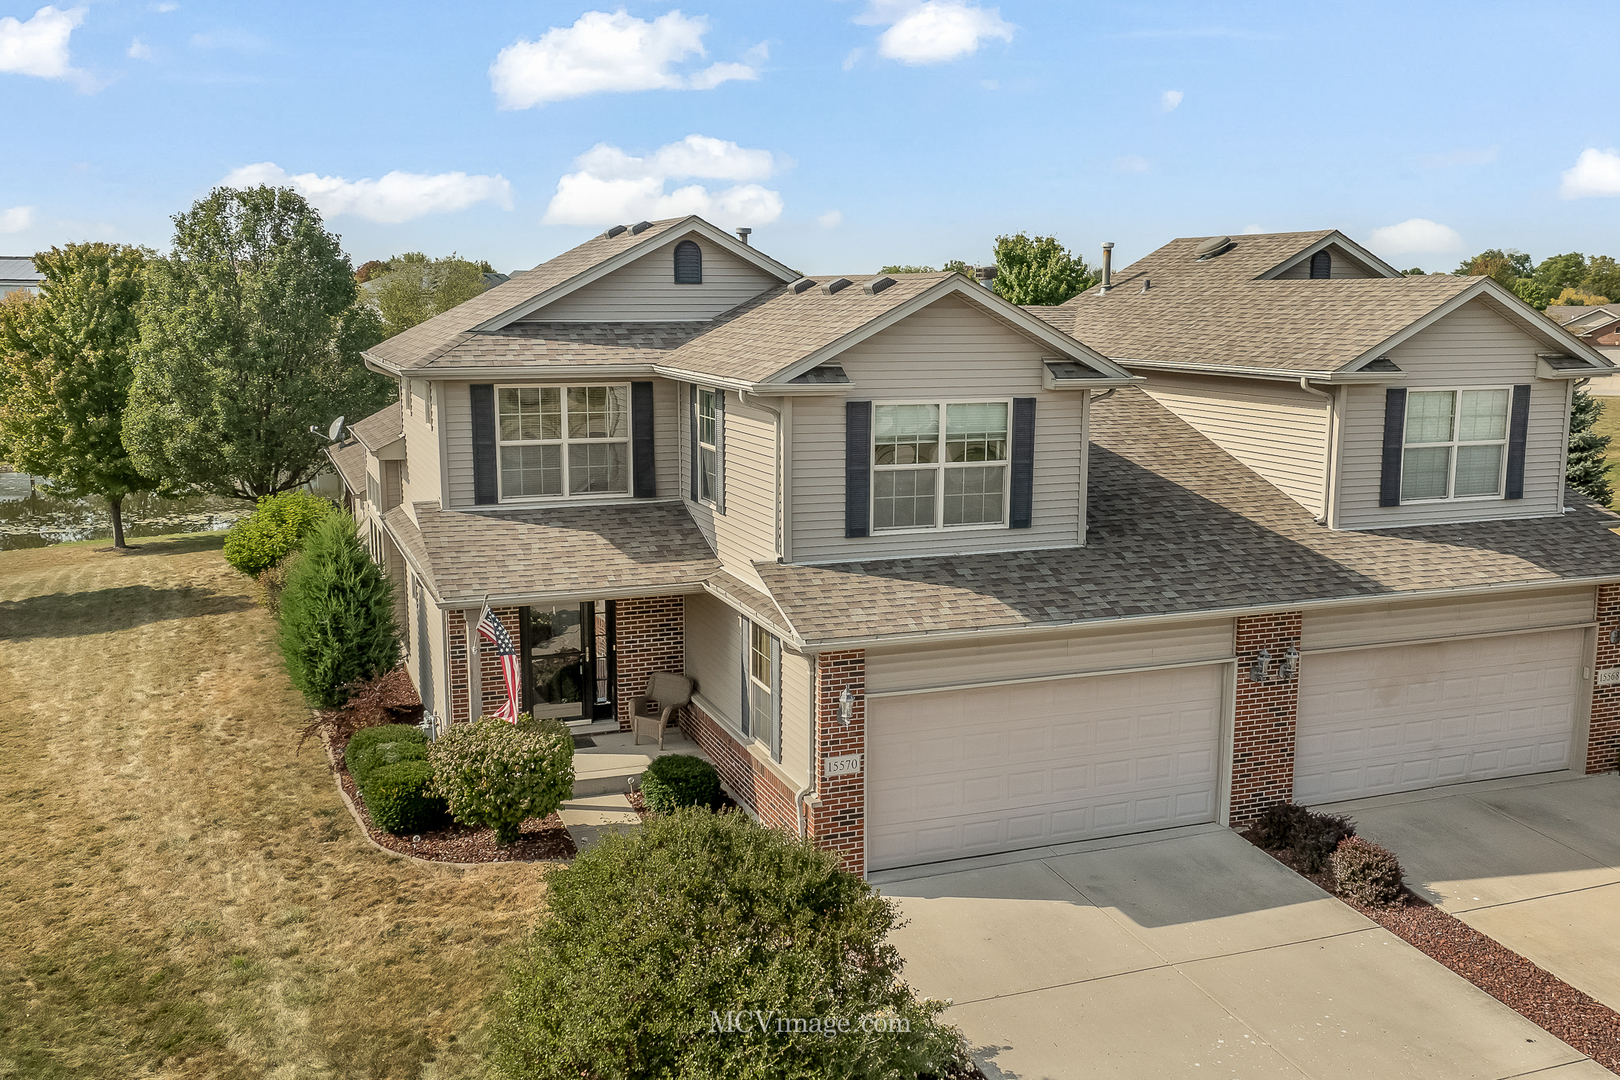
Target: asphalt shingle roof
(382,427)
(536,344)
(350,462)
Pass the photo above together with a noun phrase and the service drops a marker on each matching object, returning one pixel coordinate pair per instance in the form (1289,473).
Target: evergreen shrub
(680,780)
(337,615)
(400,798)
(387,744)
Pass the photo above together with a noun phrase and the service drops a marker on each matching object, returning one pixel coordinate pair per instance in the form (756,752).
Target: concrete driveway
(1190,953)
(1533,862)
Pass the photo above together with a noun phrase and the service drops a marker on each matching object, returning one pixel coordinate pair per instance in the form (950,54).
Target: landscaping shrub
(372,748)
(1311,836)
(654,934)
(1277,823)
(337,615)
(271,583)
(1367,874)
(400,797)
(680,780)
(276,528)
(500,775)
(389,698)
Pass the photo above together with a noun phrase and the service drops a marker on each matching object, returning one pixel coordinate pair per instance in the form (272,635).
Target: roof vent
(1211,247)
(640,227)
(615,231)
(802,284)
(742,234)
(836,284)
(877,285)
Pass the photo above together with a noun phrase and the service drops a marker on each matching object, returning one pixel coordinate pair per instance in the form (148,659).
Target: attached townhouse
(1261,520)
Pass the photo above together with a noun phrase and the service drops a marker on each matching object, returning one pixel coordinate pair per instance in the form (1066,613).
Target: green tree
(1039,270)
(65,373)
(1576,298)
(251,333)
(1602,277)
(954,266)
(412,288)
(1506,267)
(1560,272)
(337,615)
(1588,468)
(1416,271)
(1533,293)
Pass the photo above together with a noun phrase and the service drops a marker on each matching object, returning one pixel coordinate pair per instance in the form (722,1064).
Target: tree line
(1571,279)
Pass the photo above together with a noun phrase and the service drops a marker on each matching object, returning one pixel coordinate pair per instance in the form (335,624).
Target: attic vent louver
(615,231)
(877,285)
(1211,247)
(640,227)
(802,284)
(836,284)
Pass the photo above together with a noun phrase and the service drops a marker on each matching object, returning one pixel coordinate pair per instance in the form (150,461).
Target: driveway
(1190,953)
(1533,862)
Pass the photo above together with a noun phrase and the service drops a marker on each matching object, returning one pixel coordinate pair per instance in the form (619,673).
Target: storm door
(568,661)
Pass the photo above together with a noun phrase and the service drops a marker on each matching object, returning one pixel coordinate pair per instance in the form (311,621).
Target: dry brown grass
(179,895)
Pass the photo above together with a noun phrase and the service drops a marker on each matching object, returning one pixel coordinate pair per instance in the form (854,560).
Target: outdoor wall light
(1614,635)
(1290,664)
(1261,666)
(846,706)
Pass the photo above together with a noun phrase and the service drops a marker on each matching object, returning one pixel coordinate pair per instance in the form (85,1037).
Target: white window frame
(767,731)
(939,468)
(709,498)
(564,442)
(427,404)
(1455,443)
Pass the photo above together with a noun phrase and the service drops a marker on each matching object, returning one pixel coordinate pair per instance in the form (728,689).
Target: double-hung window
(564,441)
(1455,445)
(762,686)
(708,446)
(929,474)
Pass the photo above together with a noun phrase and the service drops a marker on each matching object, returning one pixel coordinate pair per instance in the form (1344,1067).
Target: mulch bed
(539,839)
(1534,993)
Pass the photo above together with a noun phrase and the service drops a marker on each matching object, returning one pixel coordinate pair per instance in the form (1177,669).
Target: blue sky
(848,133)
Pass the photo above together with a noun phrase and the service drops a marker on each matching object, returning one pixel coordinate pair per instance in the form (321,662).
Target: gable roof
(1564,314)
(381,428)
(1334,238)
(349,460)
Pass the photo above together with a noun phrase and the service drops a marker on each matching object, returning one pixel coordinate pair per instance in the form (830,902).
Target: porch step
(607,767)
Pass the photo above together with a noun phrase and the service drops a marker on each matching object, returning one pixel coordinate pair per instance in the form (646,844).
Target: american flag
(491,630)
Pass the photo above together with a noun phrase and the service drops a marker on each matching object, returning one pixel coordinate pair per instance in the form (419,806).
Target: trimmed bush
(1277,823)
(337,615)
(680,780)
(1316,838)
(500,775)
(654,934)
(1367,874)
(389,744)
(400,797)
(276,528)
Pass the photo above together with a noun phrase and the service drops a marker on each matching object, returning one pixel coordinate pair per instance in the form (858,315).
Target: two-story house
(954,577)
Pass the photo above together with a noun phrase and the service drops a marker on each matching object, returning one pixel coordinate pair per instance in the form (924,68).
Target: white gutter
(1327,449)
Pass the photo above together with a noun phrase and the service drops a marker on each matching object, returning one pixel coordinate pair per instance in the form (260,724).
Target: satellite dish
(335,430)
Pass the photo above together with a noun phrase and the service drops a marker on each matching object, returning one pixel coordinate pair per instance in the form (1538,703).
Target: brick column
(491,681)
(837,818)
(1265,717)
(651,636)
(1603,735)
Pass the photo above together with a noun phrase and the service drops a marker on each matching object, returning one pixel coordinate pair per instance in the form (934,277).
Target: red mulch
(539,839)
(1535,994)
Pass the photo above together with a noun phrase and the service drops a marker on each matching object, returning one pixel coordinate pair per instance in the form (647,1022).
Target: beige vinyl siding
(1425,620)
(1274,428)
(1105,648)
(948,351)
(796,684)
(746,532)
(420,482)
(1344,266)
(645,290)
(456,402)
(393,484)
(714,655)
(1473,346)
(436,647)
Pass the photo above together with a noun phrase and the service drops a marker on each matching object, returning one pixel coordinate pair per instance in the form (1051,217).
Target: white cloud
(139,50)
(1169,100)
(615,53)
(611,187)
(1415,235)
(1596,172)
(1130,163)
(1253,230)
(933,31)
(396,197)
(39,46)
(831,219)
(16,219)
(853,57)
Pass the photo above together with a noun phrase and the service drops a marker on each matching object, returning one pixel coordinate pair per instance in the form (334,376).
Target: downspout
(781,471)
(800,796)
(1327,448)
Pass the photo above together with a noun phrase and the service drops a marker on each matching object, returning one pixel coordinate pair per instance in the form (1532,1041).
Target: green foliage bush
(337,615)
(275,529)
(387,744)
(1312,837)
(1366,873)
(679,780)
(653,933)
(500,775)
(400,797)
(1277,823)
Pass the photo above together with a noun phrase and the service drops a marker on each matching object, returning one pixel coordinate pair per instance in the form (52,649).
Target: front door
(568,661)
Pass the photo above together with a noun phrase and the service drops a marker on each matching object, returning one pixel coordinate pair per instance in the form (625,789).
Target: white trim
(1333,238)
(1456,443)
(563,442)
(939,467)
(1431,640)
(1022,679)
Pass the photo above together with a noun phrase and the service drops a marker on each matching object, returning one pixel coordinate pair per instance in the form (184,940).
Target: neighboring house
(17,272)
(1597,326)
(951,581)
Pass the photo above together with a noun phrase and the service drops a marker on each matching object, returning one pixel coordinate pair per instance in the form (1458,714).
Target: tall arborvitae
(1588,469)
(337,615)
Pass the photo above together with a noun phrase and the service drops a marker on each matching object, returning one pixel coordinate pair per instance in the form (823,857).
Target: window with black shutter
(688,263)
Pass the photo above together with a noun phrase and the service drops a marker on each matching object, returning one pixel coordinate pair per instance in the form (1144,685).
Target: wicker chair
(651,711)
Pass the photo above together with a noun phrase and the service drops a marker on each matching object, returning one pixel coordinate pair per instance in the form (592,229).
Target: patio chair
(651,711)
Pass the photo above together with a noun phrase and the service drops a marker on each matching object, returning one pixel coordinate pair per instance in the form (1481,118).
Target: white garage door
(1373,721)
(971,772)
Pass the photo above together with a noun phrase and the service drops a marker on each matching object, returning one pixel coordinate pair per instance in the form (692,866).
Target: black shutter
(486,488)
(641,440)
(1389,480)
(1518,430)
(1021,513)
(692,425)
(719,451)
(688,263)
(857,467)
(1321,265)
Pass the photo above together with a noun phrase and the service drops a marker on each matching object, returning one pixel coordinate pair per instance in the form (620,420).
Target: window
(563,441)
(926,477)
(762,666)
(1455,445)
(688,263)
(708,446)
(374,492)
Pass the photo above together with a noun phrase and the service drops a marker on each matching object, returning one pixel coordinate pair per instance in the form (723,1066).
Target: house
(17,272)
(1597,326)
(954,577)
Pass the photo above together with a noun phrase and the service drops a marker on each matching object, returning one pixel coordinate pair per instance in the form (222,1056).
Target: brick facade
(1603,736)
(745,776)
(491,686)
(1265,716)
(650,633)
(838,813)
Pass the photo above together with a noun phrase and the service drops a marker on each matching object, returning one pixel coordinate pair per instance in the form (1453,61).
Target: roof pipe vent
(615,231)
(836,284)
(1108,266)
(1147,283)
(640,227)
(742,234)
(1211,248)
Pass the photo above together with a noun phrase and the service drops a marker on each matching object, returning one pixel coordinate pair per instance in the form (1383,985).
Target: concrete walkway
(1190,953)
(1533,862)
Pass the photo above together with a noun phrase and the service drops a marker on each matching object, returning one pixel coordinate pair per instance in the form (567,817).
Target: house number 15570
(847,765)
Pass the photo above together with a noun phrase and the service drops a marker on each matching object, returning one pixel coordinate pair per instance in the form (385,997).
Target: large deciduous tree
(1602,277)
(251,333)
(65,373)
(1039,270)
(412,288)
